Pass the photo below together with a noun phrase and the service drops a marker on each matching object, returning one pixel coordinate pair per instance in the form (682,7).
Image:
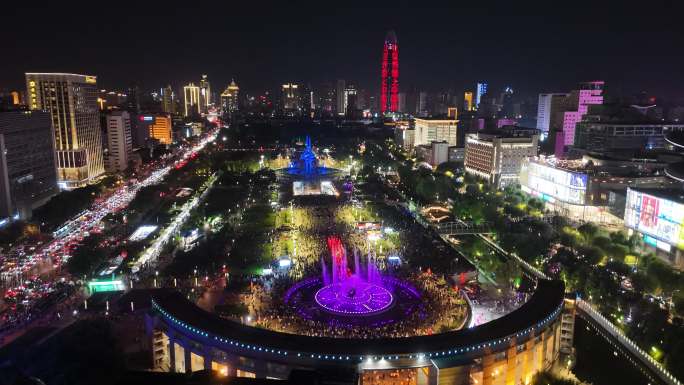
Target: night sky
(534,47)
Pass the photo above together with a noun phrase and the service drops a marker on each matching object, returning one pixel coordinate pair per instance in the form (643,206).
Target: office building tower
(205,95)
(548,105)
(480,92)
(341,103)
(404,135)
(428,130)
(326,100)
(402,102)
(168,100)
(119,141)
(28,173)
(161,128)
(290,99)
(498,156)
(389,85)
(191,99)
(307,101)
(229,100)
(152,129)
(507,105)
(468,101)
(423,104)
(577,105)
(350,101)
(71,100)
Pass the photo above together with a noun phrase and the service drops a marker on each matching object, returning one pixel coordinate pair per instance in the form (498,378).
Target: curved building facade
(508,350)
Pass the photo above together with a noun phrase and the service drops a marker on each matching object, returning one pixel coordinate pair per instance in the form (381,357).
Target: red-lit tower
(389,93)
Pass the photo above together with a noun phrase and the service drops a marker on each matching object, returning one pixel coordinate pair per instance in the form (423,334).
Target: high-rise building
(71,100)
(389,86)
(548,105)
(481,91)
(290,99)
(578,102)
(350,100)
(168,100)
(341,101)
(205,95)
(119,141)
(468,101)
(430,130)
(498,156)
(423,106)
(28,174)
(160,129)
(326,100)
(402,102)
(229,100)
(507,106)
(191,98)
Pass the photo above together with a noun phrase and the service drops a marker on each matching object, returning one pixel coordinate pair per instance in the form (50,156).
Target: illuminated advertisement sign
(552,183)
(657,218)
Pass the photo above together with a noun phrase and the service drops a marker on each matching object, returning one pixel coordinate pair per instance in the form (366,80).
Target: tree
(548,378)
(87,256)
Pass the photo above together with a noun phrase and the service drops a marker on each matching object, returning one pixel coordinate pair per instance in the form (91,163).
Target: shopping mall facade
(507,350)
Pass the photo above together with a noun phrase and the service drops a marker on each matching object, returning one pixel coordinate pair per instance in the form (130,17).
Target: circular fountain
(351,293)
(356,295)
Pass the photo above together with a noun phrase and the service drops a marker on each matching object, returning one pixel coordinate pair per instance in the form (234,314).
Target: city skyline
(505,45)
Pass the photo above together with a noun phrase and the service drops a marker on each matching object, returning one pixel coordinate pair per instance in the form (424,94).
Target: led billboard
(556,184)
(655,217)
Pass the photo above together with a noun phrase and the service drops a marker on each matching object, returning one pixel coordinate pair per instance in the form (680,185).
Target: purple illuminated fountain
(352,293)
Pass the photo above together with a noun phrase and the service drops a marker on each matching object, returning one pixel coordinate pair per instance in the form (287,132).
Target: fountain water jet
(352,294)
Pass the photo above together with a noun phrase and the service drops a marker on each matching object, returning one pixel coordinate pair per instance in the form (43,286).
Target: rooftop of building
(587,164)
(547,298)
(670,194)
(437,118)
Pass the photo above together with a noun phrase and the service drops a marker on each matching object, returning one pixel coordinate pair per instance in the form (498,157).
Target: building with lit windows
(578,102)
(497,156)
(28,175)
(389,85)
(507,350)
(205,95)
(119,141)
(404,135)
(547,106)
(481,91)
(229,100)
(468,101)
(428,130)
(191,100)
(71,100)
(341,97)
(290,99)
(160,129)
(168,100)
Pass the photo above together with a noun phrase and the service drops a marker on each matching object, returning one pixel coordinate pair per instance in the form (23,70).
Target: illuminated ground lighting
(141,233)
(361,299)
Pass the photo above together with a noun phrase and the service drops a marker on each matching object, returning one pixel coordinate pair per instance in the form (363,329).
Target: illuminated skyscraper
(205,95)
(290,99)
(341,97)
(481,91)
(191,99)
(119,141)
(168,100)
(71,101)
(389,91)
(229,99)
(468,101)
